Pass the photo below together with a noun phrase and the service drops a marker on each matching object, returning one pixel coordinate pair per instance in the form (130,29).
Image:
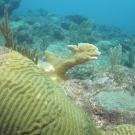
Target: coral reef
(60,32)
(107,96)
(12,5)
(47,108)
(78,19)
(6,31)
(65,25)
(24,50)
(121,80)
(24,36)
(58,66)
(116,100)
(130,61)
(122,130)
(34,104)
(77,33)
(8,35)
(104,46)
(116,55)
(84,71)
(42,12)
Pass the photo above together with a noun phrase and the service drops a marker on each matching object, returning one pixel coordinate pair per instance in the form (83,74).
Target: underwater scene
(67,67)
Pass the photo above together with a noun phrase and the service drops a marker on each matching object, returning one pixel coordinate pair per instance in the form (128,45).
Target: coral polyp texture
(82,53)
(33,104)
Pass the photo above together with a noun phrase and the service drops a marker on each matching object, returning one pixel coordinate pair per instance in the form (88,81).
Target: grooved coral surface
(122,130)
(32,104)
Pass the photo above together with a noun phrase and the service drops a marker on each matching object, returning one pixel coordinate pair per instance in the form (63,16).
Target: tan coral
(58,66)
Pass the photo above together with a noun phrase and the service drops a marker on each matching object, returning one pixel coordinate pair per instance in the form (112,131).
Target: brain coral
(32,104)
(122,130)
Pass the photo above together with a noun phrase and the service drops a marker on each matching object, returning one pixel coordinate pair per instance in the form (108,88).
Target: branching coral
(9,43)
(58,66)
(6,31)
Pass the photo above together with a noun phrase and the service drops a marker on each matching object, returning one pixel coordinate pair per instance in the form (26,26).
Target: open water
(119,13)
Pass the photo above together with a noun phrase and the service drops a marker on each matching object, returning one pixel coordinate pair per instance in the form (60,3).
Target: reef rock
(106,112)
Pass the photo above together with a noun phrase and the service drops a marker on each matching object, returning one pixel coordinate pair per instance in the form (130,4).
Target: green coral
(31,103)
(122,130)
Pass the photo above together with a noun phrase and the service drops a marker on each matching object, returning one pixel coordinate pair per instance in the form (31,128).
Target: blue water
(119,13)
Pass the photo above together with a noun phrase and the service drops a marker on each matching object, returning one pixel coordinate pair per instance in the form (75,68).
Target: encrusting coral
(58,66)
